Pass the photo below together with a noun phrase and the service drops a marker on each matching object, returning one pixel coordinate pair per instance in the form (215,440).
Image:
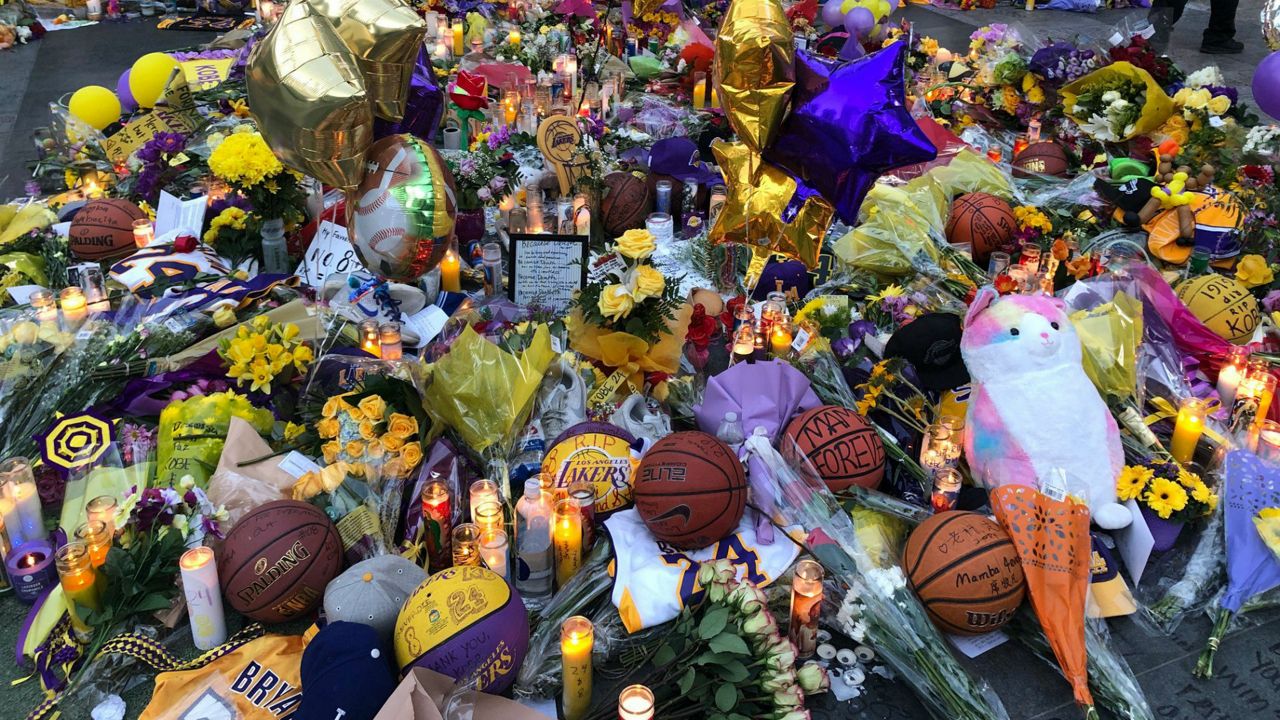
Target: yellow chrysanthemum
(1165,497)
(1132,481)
(244,158)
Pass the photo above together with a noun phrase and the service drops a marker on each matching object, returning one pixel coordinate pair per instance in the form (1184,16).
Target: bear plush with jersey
(1033,410)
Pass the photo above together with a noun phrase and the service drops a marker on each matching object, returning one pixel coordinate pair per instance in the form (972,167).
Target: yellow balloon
(880,8)
(96,105)
(848,5)
(149,76)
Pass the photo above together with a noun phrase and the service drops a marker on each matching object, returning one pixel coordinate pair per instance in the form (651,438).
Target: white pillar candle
(20,488)
(204,599)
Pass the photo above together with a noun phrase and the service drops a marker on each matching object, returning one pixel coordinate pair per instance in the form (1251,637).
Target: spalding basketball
(626,203)
(402,217)
(690,490)
(1224,305)
(966,571)
(277,560)
(844,448)
(464,622)
(1042,158)
(983,221)
(103,230)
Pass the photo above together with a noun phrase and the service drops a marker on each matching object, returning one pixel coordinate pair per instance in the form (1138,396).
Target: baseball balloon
(402,217)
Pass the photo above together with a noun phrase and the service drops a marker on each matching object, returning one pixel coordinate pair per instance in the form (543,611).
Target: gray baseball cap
(372,591)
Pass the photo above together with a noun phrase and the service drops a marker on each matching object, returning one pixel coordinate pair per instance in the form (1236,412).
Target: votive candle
(389,347)
(806,606)
(780,340)
(143,232)
(577,636)
(946,490)
(458,48)
(566,537)
(437,519)
(583,494)
(466,545)
(46,310)
(96,539)
(19,485)
(451,271)
(75,572)
(482,491)
(1269,442)
(74,306)
(103,509)
(370,342)
(204,598)
(31,570)
(493,550)
(635,702)
(488,516)
(1260,372)
(1230,374)
(1187,429)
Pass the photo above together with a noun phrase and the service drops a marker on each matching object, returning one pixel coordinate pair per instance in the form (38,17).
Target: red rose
(184,243)
(701,327)
(1005,284)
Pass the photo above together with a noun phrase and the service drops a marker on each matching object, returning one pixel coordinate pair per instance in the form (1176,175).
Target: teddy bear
(1033,410)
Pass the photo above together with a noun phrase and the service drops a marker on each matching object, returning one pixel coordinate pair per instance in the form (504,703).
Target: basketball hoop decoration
(401,219)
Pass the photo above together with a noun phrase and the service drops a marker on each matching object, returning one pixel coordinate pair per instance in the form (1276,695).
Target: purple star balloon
(848,125)
(423,106)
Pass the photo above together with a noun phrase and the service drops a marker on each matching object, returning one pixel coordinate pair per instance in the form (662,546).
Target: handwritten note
(974,645)
(132,136)
(426,323)
(330,252)
(185,216)
(547,269)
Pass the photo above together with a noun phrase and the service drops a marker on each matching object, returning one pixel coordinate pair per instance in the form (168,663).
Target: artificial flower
(1133,480)
(1165,497)
(637,244)
(1253,271)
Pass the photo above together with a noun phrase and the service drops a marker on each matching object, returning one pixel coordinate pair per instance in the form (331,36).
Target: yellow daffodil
(293,431)
(1165,497)
(262,377)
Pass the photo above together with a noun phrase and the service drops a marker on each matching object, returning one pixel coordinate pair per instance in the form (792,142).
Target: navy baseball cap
(346,672)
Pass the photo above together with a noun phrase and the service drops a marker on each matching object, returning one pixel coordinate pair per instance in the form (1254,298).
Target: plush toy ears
(986,295)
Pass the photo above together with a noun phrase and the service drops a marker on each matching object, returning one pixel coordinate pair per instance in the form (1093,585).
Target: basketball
(597,453)
(103,230)
(983,221)
(277,560)
(966,571)
(844,448)
(690,490)
(464,622)
(1224,305)
(626,202)
(1042,158)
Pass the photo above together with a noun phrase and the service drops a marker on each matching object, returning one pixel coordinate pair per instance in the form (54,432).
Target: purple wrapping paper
(848,125)
(423,107)
(1251,566)
(765,395)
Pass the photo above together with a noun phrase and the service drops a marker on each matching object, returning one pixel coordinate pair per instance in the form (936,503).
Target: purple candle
(31,570)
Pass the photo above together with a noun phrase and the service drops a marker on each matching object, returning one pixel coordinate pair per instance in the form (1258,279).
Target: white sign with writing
(185,216)
(426,323)
(547,269)
(330,252)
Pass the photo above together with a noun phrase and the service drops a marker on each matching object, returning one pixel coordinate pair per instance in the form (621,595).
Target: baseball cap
(372,591)
(931,343)
(346,673)
(1108,590)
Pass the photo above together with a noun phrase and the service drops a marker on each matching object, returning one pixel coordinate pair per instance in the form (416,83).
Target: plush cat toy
(1033,409)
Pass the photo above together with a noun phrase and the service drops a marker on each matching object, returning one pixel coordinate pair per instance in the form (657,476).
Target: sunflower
(1165,497)
(1133,480)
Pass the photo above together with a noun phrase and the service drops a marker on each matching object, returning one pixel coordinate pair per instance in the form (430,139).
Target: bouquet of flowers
(1167,490)
(263,352)
(1062,62)
(245,162)
(1116,102)
(161,164)
(481,172)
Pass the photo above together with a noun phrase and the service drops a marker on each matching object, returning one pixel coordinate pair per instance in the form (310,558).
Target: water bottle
(730,430)
(275,253)
(534,571)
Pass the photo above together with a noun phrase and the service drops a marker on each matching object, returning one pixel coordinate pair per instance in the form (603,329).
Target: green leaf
(151,603)
(712,658)
(664,656)
(733,671)
(713,622)
(686,681)
(727,642)
(727,697)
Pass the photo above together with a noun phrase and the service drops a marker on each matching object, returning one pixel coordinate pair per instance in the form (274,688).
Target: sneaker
(562,399)
(1222,47)
(635,416)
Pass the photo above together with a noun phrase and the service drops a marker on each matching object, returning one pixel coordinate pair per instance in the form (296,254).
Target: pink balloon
(1266,85)
(859,22)
(832,14)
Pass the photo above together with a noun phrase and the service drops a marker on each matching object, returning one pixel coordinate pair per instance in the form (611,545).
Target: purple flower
(1272,301)
(468,166)
(484,194)
(229,200)
(498,183)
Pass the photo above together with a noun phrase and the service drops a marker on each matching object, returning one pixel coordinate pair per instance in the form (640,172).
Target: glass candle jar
(489,516)
(806,606)
(661,226)
(466,545)
(389,347)
(493,551)
(577,636)
(370,341)
(97,539)
(43,305)
(635,702)
(75,572)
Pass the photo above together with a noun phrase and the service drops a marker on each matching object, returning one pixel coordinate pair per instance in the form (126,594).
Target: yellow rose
(367,430)
(392,443)
(307,486)
(224,317)
(615,302)
(355,449)
(411,455)
(637,244)
(375,451)
(328,428)
(1220,104)
(1252,271)
(331,451)
(402,426)
(373,407)
(649,282)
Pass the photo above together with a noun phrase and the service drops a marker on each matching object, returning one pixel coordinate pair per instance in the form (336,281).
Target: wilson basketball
(844,448)
(966,571)
(983,221)
(690,490)
(626,203)
(1042,158)
(1224,305)
(103,230)
(277,560)
(464,622)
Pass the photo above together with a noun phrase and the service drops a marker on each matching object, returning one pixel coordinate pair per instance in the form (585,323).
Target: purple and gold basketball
(464,622)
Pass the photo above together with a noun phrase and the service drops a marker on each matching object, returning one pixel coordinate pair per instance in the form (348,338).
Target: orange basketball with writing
(844,448)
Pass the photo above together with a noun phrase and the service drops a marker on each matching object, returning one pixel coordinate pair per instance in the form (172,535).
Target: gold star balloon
(754,69)
(308,97)
(385,36)
(766,208)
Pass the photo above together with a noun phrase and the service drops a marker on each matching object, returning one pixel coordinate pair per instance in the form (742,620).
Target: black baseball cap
(931,343)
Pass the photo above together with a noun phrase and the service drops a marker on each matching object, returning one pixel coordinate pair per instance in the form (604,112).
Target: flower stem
(1204,666)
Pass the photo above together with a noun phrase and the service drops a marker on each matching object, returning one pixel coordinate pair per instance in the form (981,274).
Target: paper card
(546,269)
(22,293)
(974,645)
(426,323)
(1135,542)
(607,264)
(297,464)
(185,216)
(63,228)
(176,107)
(330,252)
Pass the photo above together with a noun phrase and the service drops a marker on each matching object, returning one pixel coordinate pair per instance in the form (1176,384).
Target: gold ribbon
(1166,411)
